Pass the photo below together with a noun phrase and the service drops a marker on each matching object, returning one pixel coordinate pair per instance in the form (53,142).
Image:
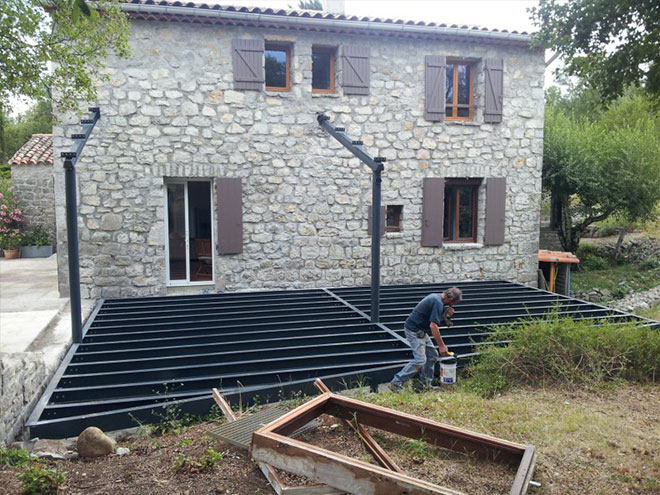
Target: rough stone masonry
(171,112)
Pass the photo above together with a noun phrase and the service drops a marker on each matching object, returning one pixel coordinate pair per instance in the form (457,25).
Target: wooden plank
(269,472)
(525,471)
(442,435)
(371,445)
(343,472)
(223,405)
(300,416)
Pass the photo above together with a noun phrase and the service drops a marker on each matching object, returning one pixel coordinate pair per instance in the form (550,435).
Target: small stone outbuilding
(208,171)
(32,176)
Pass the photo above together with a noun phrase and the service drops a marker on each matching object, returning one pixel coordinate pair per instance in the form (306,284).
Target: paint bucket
(448,370)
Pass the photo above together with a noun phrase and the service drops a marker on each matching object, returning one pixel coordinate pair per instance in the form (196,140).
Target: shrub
(11,217)
(36,236)
(36,480)
(206,462)
(13,457)
(563,351)
(593,258)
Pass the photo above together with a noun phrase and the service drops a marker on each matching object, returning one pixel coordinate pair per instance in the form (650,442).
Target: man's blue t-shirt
(427,310)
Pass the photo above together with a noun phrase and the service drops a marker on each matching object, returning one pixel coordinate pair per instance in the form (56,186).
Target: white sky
(511,15)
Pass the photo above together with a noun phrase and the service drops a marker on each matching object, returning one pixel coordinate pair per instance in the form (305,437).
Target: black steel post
(72,241)
(375,246)
(70,159)
(376,165)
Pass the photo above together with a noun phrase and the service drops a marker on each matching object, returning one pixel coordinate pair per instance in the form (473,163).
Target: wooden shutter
(494,87)
(248,60)
(356,70)
(433,211)
(229,204)
(383,219)
(434,87)
(495,210)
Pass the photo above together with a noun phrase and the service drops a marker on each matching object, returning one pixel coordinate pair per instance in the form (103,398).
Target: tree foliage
(17,130)
(602,167)
(310,5)
(59,53)
(611,44)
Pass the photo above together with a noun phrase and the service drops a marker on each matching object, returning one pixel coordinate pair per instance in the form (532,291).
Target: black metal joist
(138,355)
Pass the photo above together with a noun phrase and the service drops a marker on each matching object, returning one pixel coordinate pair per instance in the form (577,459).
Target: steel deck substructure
(141,355)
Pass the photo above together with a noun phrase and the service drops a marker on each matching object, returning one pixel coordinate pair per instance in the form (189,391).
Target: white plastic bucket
(448,370)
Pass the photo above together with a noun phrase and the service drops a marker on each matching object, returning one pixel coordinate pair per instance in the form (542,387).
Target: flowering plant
(11,217)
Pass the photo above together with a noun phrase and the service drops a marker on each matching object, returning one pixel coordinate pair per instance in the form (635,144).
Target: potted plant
(11,220)
(36,243)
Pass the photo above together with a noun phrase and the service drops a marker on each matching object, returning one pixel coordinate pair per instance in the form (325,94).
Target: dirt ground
(588,442)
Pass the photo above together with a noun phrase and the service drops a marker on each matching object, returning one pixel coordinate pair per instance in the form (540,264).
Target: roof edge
(372,27)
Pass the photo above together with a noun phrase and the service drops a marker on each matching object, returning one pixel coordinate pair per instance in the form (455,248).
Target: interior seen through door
(189,228)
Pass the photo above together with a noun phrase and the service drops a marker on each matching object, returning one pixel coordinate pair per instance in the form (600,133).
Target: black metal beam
(126,366)
(376,166)
(70,159)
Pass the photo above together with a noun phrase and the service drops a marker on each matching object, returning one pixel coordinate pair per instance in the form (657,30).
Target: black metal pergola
(138,356)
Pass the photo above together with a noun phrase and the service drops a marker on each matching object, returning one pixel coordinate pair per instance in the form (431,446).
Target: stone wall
(35,191)
(170,112)
(23,376)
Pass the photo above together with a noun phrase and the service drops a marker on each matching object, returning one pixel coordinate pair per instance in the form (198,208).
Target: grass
(619,280)
(595,440)
(653,313)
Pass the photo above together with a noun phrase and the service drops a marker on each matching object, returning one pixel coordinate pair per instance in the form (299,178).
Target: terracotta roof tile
(183,16)
(37,151)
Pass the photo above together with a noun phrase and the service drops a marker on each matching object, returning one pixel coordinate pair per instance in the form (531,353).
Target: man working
(425,320)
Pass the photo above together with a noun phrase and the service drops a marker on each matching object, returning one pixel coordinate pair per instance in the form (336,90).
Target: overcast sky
(511,15)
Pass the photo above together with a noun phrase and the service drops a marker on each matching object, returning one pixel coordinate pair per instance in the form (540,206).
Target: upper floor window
(323,69)
(393,218)
(460,217)
(277,67)
(459,97)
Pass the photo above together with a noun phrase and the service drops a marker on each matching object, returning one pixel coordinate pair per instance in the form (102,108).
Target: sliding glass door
(189,232)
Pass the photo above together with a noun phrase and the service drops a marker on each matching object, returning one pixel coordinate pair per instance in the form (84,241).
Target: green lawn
(619,280)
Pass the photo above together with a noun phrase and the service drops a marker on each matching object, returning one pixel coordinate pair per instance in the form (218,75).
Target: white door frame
(187,282)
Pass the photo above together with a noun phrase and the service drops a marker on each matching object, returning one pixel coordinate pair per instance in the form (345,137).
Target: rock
(123,451)
(94,443)
(49,449)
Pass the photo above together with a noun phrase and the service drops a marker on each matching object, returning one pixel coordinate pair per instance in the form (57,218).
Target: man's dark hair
(454,294)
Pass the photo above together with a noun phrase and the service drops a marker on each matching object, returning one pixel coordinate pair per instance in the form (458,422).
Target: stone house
(208,170)
(32,176)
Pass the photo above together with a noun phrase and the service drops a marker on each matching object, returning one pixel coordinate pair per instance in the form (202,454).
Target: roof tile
(37,151)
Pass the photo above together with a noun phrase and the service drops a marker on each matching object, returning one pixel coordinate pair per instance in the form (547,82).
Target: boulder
(94,443)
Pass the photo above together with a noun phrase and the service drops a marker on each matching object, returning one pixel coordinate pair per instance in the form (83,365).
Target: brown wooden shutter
(434,100)
(494,86)
(229,204)
(248,60)
(383,219)
(495,210)
(356,70)
(433,211)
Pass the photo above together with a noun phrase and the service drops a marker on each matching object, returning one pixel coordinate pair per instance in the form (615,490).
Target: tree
(310,5)
(610,44)
(595,169)
(38,119)
(58,54)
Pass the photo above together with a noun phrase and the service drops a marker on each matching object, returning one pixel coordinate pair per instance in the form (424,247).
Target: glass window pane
(321,74)
(176,223)
(450,201)
(465,215)
(464,84)
(276,68)
(463,112)
(449,85)
(199,227)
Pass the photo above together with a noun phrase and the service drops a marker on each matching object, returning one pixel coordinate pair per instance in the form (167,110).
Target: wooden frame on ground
(271,444)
